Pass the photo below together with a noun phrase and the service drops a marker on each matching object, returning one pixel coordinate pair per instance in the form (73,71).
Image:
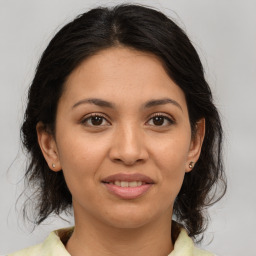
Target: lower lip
(128,192)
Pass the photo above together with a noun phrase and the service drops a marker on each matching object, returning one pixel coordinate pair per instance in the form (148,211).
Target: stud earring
(191,165)
(53,165)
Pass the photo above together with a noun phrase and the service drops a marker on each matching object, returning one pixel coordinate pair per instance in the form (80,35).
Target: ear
(196,145)
(48,147)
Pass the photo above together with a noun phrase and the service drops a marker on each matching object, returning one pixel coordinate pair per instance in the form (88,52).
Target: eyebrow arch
(148,104)
(95,101)
(164,101)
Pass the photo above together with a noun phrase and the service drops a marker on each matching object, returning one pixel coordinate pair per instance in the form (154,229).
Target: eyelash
(91,116)
(170,120)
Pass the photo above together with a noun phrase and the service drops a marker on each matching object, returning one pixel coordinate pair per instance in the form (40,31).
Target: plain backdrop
(223,32)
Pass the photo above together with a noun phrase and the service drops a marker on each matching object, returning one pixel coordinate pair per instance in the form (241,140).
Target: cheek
(80,159)
(77,149)
(171,159)
(171,153)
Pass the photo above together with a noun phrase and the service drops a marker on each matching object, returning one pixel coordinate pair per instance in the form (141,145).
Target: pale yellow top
(53,246)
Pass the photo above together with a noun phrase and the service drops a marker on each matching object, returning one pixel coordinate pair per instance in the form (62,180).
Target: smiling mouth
(126,184)
(128,179)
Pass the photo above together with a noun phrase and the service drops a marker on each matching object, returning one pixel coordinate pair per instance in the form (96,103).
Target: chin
(129,219)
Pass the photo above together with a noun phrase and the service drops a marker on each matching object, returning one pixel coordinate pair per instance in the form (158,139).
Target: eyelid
(170,118)
(88,116)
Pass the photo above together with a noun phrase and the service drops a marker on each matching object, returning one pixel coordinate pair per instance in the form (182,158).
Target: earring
(191,165)
(53,165)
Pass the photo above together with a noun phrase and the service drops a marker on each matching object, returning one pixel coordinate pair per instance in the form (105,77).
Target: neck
(91,237)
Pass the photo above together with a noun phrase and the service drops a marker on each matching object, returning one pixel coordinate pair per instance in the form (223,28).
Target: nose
(128,145)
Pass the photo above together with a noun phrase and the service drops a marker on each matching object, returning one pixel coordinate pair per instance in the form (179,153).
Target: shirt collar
(55,243)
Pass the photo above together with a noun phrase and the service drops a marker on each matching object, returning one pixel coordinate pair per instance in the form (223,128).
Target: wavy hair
(143,29)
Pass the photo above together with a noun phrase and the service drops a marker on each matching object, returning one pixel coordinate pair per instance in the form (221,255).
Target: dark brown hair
(144,29)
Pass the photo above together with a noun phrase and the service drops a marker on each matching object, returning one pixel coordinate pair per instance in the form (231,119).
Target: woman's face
(121,121)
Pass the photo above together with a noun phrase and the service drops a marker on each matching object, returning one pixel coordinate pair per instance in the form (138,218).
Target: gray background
(224,33)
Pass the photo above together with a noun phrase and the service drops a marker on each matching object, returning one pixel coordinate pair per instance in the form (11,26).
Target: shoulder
(33,250)
(200,252)
(50,247)
(184,245)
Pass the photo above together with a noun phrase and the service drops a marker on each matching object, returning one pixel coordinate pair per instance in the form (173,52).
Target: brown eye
(95,120)
(160,120)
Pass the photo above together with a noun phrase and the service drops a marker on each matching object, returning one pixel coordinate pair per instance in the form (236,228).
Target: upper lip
(128,177)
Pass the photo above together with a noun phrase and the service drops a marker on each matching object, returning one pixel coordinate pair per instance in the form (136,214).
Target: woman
(121,127)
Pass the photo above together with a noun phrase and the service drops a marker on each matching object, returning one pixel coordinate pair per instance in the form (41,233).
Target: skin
(128,139)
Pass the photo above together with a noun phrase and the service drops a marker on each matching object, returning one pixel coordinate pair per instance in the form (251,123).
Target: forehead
(122,74)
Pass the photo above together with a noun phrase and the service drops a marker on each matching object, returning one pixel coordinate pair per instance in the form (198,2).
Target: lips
(128,186)
(128,178)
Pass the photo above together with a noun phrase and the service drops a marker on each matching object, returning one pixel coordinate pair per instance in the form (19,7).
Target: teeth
(139,183)
(118,183)
(133,184)
(126,184)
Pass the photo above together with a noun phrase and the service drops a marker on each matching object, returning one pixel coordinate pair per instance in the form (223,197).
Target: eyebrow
(94,101)
(107,104)
(157,102)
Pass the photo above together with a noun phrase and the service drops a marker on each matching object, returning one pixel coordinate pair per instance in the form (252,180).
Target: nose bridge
(130,135)
(128,145)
